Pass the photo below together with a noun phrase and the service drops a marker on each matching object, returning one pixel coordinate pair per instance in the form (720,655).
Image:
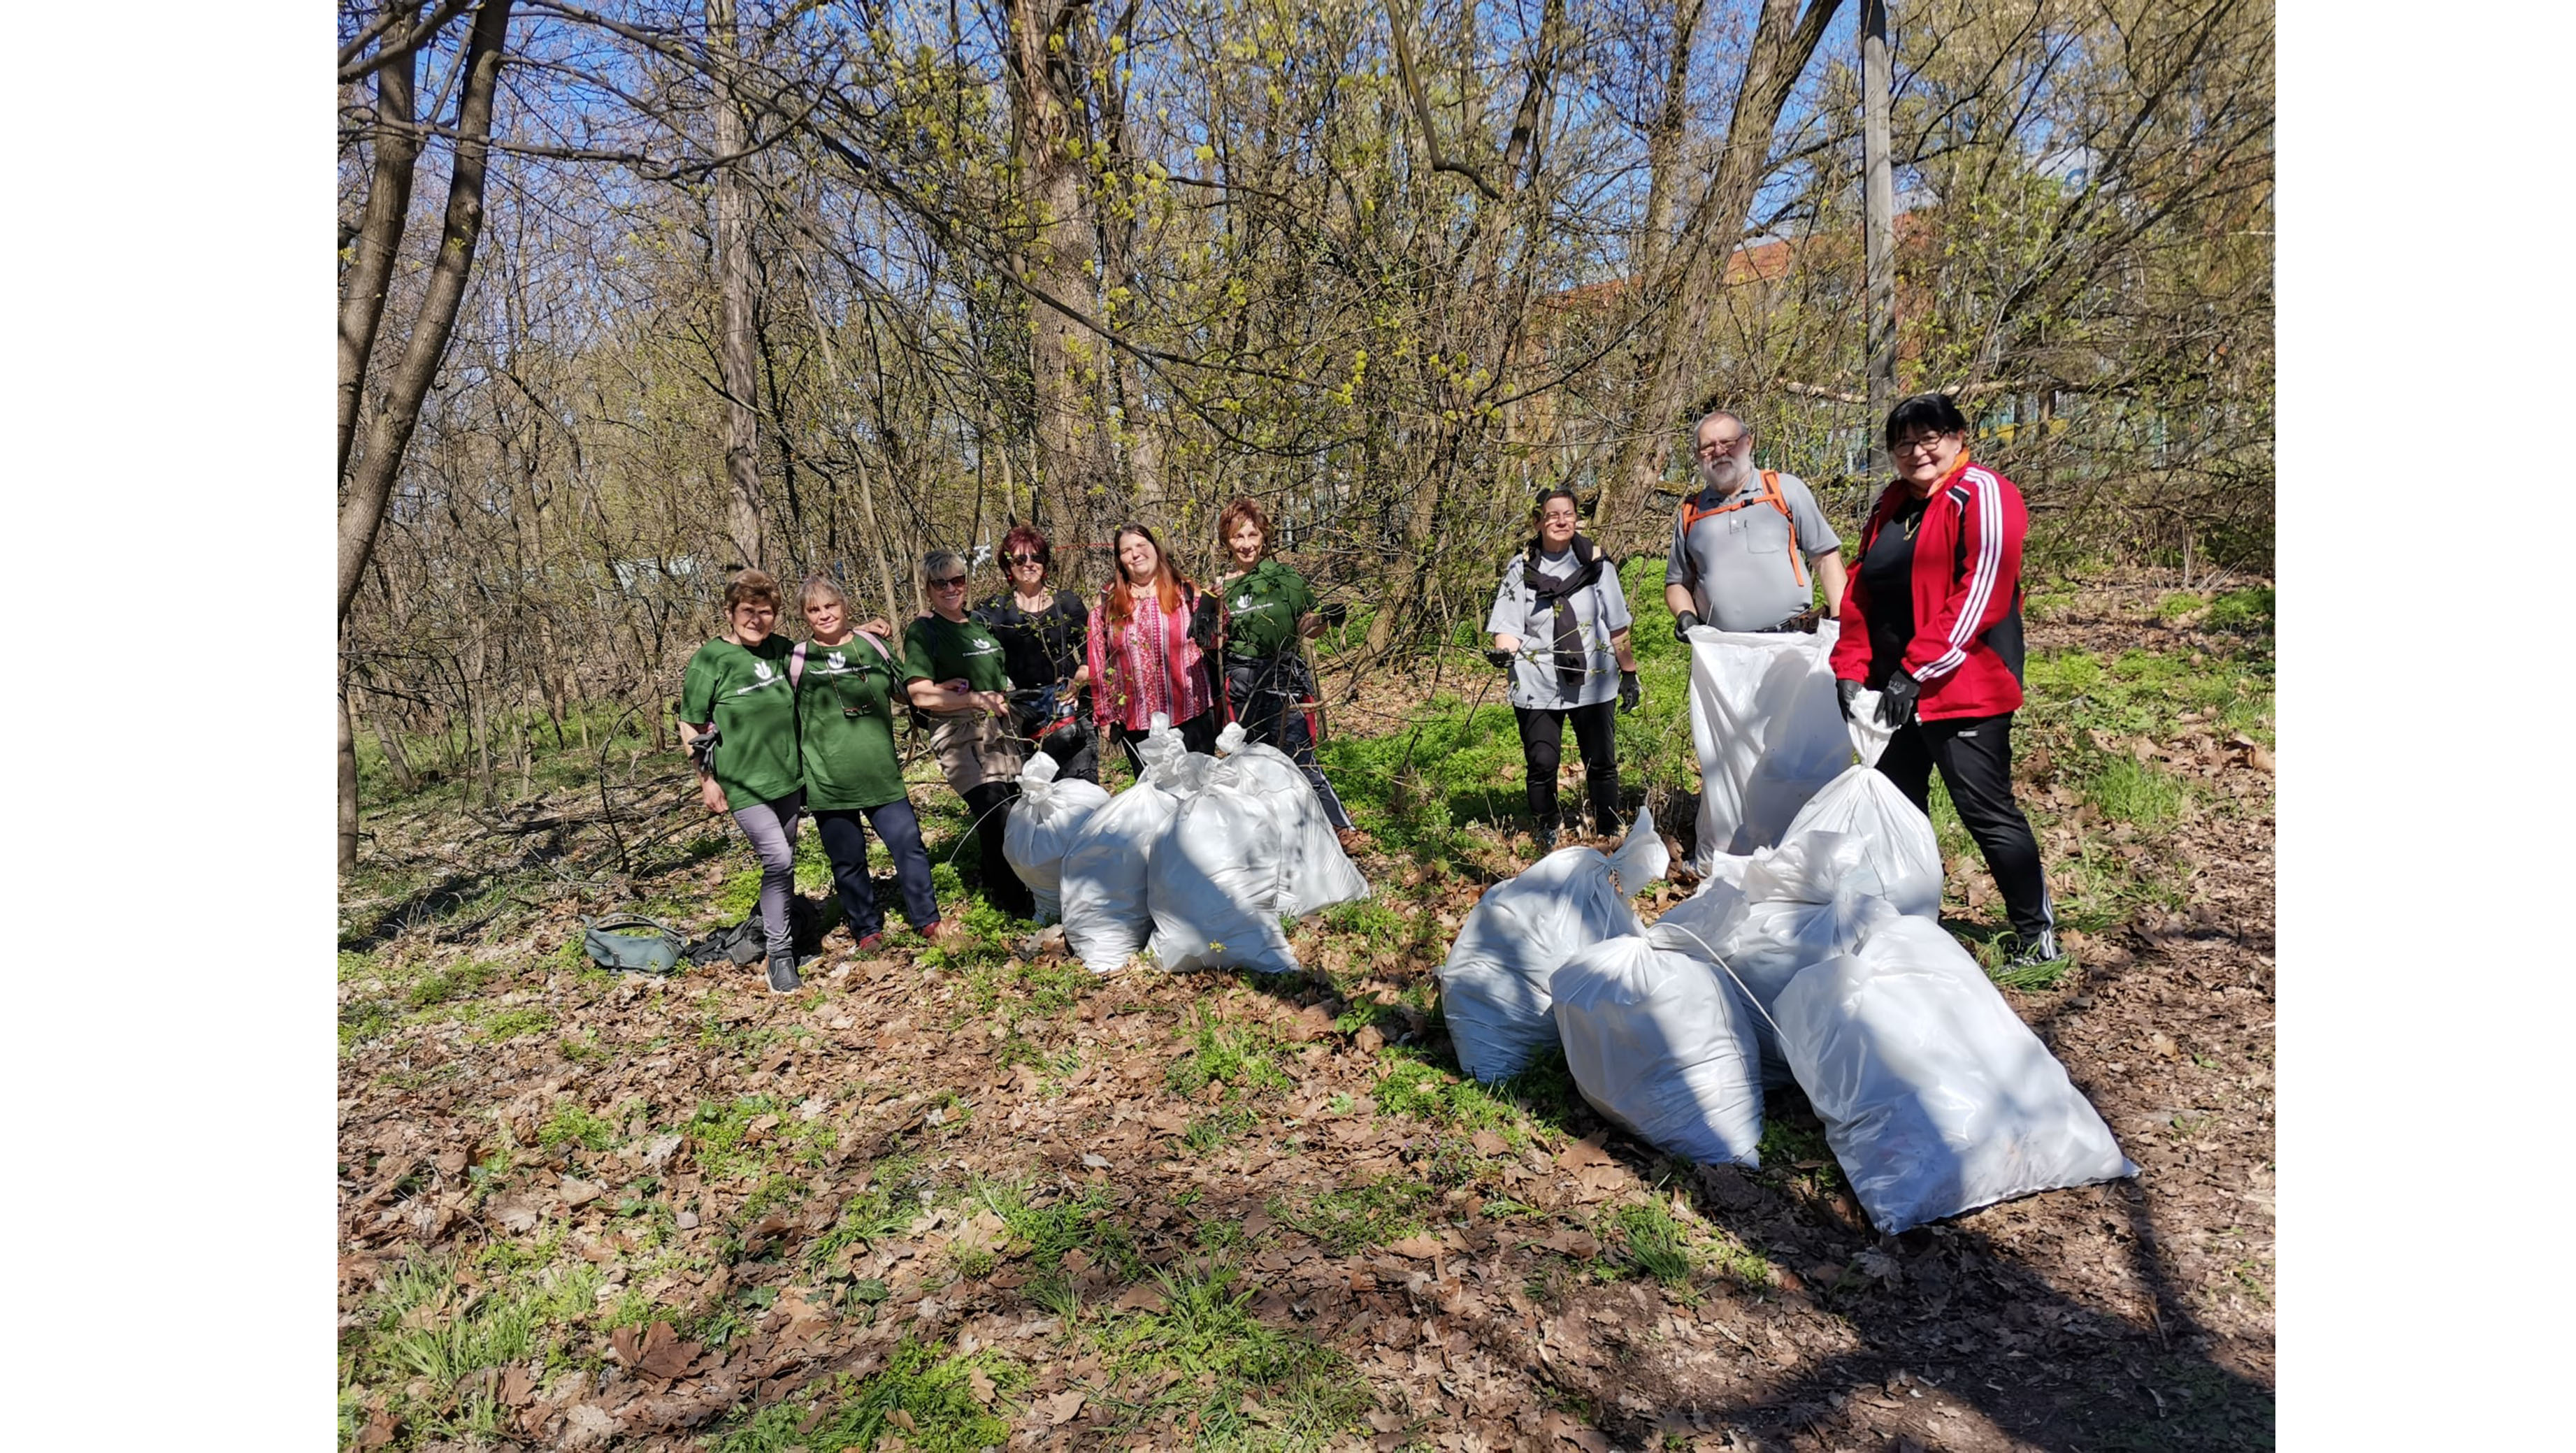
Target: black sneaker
(2037,951)
(783,978)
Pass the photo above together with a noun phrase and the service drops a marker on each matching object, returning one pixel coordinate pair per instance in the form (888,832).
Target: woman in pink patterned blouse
(1148,644)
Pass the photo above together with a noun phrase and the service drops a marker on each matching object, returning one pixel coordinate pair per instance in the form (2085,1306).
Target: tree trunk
(371,481)
(733,285)
(370,485)
(1043,83)
(380,228)
(348,855)
(1783,40)
(388,736)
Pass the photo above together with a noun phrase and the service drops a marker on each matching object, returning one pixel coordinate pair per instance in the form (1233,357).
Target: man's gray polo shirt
(1738,564)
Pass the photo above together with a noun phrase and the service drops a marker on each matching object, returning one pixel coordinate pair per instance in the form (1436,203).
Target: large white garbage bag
(1043,824)
(1898,845)
(1805,901)
(1936,1098)
(1317,873)
(1213,881)
(1658,1046)
(1768,733)
(1102,887)
(1494,984)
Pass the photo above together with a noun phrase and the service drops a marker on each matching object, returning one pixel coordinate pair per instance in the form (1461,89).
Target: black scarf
(1571,658)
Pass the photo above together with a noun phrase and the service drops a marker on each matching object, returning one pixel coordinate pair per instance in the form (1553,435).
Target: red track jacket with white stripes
(1967,577)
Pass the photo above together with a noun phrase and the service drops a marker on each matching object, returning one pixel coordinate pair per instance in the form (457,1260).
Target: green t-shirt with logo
(746,694)
(1263,608)
(845,713)
(944,650)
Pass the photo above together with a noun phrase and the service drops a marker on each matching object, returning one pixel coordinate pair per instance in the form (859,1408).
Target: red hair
(1168,583)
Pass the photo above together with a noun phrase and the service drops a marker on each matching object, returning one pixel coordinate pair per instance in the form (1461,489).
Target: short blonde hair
(822,587)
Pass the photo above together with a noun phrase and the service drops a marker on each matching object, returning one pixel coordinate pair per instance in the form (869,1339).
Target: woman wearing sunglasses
(1148,649)
(965,687)
(1042,634)
(845,684)
(738,717)
(1932,621)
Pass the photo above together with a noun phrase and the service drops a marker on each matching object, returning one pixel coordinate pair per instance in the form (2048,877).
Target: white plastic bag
(1317,874)
(1805,901)
(1102,887)
(1898,846)
(1936,1098)
(1213,881)
(1661,1049)
(1494,984)
(1043,823)
(1768,733)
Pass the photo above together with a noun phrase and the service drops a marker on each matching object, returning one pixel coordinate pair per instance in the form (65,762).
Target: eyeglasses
(953,582)
(1026,560)
(1713,447)
(1927,444)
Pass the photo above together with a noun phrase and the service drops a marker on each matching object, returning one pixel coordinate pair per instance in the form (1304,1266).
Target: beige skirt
(973,749)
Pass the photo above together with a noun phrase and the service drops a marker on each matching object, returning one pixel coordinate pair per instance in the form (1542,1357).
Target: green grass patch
(1234,1056)
(512,1023)
(455,983)
(2123,789)
(1241,1383)
(1043,1234)
(424,1339)
(1355,1219)
(924,1395)
(745,1136)
(1654,1243)
(573,1124)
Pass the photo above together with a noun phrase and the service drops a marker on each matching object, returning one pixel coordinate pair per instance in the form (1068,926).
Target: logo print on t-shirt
(760,669)
(835,661)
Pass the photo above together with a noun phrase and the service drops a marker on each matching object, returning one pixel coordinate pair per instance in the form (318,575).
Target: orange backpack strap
(1692,514)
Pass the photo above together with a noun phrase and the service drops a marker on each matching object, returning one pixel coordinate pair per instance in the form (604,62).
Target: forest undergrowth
(972,1196)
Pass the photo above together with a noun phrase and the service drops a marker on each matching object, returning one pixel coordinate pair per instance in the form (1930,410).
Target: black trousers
(1265,695)
(1975,758)
(988,805)
(1543,747)
(845,843)
(1198,734)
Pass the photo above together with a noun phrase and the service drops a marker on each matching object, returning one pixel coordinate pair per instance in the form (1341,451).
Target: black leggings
(1198,734)
(846,844)
(1543,746)
(1975,758)
(988,807)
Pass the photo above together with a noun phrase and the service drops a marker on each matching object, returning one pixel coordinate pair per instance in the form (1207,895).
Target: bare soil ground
(1002,1197)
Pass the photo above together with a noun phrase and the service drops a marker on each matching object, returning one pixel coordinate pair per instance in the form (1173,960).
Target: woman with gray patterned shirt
(1560,626)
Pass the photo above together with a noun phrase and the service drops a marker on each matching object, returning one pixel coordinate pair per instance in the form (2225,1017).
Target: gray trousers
(771,826)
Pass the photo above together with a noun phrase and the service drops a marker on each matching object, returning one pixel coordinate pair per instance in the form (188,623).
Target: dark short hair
(1025,537)
(1538,506)
(1924,411)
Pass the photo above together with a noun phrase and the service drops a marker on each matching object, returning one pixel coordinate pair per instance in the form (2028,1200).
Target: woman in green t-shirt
(966,689)
(845,682)
(1268,610)
(738,715)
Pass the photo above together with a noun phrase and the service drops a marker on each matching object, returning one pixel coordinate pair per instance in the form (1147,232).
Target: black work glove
(1682,625)
(1203,623)
(1896,701)
(1629,695)
(1334,614)
(1502,659)
(1844,691)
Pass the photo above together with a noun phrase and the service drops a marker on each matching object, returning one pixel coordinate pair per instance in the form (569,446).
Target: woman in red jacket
(1932,620)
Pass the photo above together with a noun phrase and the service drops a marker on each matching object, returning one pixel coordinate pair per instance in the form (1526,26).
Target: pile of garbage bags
(1199,861)
(1811,954)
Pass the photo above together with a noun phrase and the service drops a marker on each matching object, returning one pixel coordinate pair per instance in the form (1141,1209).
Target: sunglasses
(1026,560)
(953,582)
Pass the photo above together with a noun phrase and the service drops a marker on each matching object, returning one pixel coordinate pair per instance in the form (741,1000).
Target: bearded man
(1750,547)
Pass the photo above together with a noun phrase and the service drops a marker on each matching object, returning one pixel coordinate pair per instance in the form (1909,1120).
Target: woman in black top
(1041,633)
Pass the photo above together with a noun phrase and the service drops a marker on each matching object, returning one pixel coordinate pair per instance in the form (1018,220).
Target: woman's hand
(994,703)
(712,795)
(879,627)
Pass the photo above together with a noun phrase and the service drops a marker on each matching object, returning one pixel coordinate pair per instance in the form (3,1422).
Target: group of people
(1930,618)
(778,730)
